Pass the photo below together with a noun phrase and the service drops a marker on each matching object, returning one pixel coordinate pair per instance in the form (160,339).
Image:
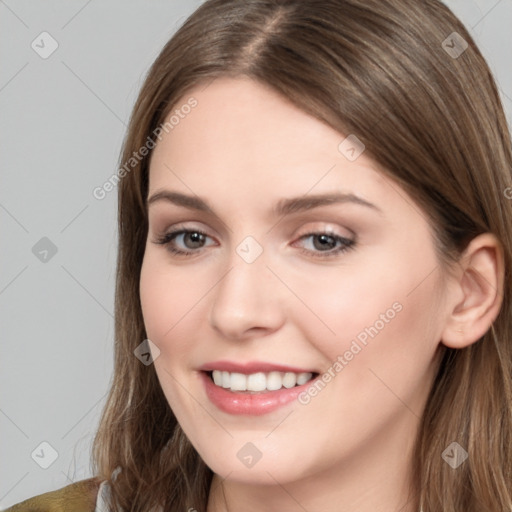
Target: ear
(478,292)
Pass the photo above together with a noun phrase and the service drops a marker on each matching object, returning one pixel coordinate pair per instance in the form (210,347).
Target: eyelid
(178,230)
(327,228)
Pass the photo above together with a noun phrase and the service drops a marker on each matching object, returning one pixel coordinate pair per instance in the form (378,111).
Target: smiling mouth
(260,382)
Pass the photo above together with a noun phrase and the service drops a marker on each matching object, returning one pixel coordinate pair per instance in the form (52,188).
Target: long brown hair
(430,114)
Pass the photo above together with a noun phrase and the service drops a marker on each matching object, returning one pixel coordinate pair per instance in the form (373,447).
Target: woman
(313,302)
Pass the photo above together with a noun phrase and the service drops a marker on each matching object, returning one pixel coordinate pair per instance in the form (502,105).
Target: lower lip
(255,404)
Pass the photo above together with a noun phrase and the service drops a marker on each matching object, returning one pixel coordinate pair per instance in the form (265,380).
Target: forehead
(242,137)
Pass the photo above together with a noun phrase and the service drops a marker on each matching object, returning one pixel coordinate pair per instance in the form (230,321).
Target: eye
(326,244)
(184,241)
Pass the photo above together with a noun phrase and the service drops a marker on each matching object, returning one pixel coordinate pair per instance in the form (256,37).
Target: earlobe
(480,284)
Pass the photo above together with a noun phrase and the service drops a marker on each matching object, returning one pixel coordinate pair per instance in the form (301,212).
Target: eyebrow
(283,207)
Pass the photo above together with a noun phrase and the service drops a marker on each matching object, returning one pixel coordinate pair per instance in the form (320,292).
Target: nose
(246,302)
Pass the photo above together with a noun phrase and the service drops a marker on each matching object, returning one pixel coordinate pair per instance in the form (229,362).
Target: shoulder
(79,497)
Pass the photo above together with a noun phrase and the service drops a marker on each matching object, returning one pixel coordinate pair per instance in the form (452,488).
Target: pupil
(326,241)
(195,238)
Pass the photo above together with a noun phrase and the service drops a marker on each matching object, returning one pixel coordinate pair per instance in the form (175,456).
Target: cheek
(172,301)
(383,312)
(386,302)
(341,303)
(163,299)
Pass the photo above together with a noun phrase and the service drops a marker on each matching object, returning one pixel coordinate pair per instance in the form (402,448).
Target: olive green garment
(77,497)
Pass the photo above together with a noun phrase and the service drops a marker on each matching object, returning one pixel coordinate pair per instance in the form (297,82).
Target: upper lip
(251,367)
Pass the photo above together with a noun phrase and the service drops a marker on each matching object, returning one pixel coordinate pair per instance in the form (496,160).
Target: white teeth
(256,382)
(302,378)
(238,382)
(217,378)
(289,380)
(260,381)
(274,381)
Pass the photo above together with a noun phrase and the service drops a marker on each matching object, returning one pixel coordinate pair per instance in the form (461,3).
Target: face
(277,261)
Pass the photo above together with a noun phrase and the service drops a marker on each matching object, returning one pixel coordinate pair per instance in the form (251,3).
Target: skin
(242,149)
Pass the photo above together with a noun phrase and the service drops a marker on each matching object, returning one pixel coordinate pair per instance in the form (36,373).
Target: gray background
(62,122)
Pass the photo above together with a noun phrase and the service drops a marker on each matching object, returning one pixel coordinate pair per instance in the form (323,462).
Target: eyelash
(347,243)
